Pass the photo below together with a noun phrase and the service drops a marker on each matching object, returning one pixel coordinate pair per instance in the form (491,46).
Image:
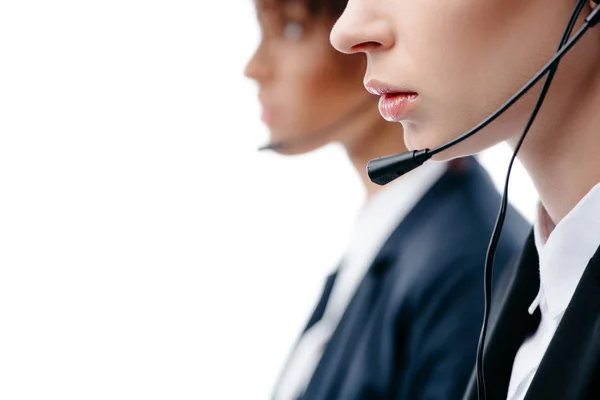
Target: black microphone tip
(272,146)
(383,170)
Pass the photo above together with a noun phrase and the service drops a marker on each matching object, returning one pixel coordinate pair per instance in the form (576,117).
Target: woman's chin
(290,151)
(424,141)
(416,139)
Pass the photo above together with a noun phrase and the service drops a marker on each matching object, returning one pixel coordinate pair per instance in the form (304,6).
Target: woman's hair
(330,8)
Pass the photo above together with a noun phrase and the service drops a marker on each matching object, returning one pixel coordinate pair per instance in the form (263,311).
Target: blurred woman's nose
(257,68)
(362,28)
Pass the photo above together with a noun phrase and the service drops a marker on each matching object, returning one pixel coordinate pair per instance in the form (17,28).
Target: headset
(385,169)
(325,132)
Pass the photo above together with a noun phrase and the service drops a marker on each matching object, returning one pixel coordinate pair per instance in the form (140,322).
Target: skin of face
(464,58)
(304,84)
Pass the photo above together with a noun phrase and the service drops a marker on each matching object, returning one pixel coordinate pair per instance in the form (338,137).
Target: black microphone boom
(383,170)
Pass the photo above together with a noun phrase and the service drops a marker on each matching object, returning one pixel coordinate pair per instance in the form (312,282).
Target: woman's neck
(562,155)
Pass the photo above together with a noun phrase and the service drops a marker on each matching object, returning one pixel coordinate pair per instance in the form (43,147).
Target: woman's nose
(257,67)
(362,28)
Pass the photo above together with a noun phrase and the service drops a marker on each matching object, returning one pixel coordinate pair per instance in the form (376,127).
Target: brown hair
(329,8)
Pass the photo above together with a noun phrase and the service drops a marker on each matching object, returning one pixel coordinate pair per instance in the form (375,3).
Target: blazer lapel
(568,367)
(509,324)
(322,304)
(338,353)
(315,317)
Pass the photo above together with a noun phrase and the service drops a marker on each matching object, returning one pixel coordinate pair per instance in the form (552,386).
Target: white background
(147,251)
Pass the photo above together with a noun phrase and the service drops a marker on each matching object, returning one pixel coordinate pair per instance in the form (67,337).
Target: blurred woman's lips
(266,115)
(394,103)
(266,111)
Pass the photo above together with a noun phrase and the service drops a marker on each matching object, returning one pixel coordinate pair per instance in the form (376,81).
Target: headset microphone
(324,132)
(385,169)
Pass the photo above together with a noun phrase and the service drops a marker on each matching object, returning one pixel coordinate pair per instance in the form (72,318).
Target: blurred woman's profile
(399,317)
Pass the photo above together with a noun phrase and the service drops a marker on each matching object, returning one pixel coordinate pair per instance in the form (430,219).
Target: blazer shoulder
(452,228)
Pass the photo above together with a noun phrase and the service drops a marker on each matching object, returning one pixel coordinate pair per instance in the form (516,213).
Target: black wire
(489,262)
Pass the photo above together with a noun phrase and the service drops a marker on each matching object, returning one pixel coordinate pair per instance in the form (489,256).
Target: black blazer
(410,332)
(569,369)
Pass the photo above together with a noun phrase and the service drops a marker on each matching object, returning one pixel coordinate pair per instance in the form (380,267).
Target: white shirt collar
(565,253)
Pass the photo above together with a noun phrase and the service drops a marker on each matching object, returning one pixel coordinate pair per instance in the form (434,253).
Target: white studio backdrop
(147,251)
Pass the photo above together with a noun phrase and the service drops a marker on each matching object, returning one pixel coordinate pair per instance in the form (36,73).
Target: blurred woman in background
(400,316)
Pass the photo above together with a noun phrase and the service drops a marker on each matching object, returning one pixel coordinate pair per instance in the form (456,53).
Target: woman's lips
(267,115)
(394,107)
(395,103)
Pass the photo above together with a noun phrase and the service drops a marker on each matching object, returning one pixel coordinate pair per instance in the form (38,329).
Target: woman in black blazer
(399,318)
(455,63)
